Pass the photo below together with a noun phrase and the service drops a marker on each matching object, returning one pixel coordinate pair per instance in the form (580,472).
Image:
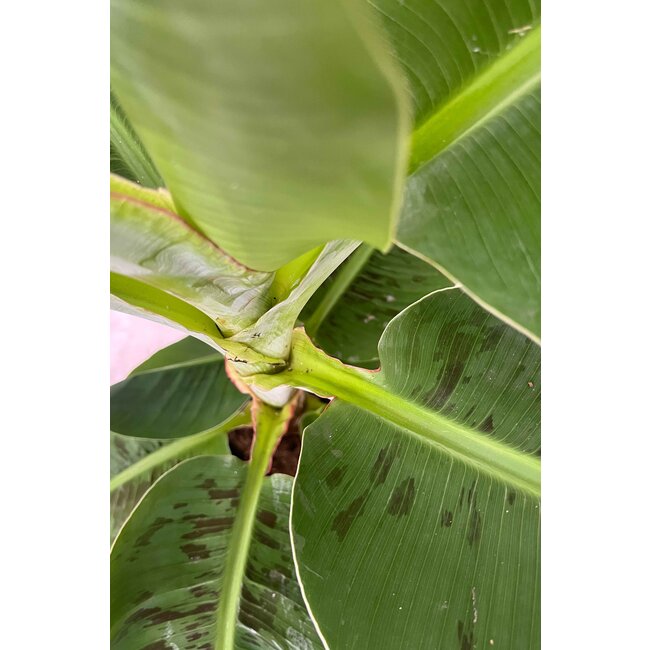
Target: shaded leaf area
(167,564)
(401,544)
(128,156)
(150,242)
(179,391)
(277,127)
(472,202)
(126,450)
(386,285)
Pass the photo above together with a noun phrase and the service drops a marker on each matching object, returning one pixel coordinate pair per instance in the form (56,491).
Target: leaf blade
(319,152)
(180,391)
(471,205)
(374,482)
(167,576)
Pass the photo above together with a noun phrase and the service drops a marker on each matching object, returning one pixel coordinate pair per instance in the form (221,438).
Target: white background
(54,150)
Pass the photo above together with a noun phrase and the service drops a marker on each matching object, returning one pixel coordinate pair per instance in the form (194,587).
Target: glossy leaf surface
(416,520)
(168,563)
(276,126)
(472,202)
(179,391)
(383,286)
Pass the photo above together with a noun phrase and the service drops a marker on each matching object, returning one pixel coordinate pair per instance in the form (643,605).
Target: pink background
(134,340)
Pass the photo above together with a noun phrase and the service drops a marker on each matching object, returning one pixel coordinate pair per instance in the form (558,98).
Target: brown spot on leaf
(451,374)
(196,552)
(207,484)
(402,498)
(492,338)
(174,615)
(142,614)
(208,526)
(465,639)
(343,521)
(511,496)
(382,466)
(218,494)
(179,505)
(145,538)
(487,426)
(267,540)
(474,531)
(335,476)
(268,518)
(446,518)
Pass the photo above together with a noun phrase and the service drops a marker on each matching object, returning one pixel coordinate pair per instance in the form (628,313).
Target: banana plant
(338,202)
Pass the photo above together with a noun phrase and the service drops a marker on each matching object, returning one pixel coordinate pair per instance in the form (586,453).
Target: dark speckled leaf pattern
(126,450)
(384,287)
(400,545)
(167,564)
(180,391)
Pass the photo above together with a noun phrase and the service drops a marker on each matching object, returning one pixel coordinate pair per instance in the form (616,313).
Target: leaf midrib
(493,89)
(313,370)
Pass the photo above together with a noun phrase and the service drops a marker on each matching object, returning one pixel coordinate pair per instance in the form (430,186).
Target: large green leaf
(168,564)
(276,126)
(472,202)
(415,513)
(349,313)
(179,391)
(137,462)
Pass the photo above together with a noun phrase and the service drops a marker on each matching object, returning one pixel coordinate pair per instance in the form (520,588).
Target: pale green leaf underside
(276,126)
(167,564)
(151,243)
(434,552)
(180,391)
(472,201)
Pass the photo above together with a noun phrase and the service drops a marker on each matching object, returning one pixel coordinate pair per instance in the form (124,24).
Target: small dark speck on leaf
(511,496)
(179,505)
(402,498)
(196,552)
(474,532)
(156,645)
(446,518)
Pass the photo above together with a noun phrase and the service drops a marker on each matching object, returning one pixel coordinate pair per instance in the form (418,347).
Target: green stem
(270,424)
(313,370)
(339,285)
(178,448)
